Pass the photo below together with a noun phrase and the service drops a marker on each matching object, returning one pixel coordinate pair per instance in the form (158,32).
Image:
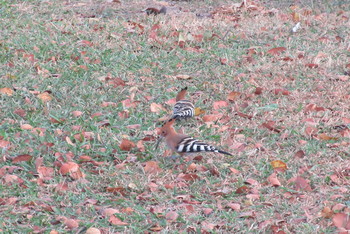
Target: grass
(68,48)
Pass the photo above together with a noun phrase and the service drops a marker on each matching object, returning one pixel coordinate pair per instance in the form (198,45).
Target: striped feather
(191,145)
(183,109)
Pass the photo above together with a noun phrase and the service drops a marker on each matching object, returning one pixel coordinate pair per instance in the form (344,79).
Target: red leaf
(188,177)
(22,158)
(299,154)
(126,145)
(116,221)
(258,90)
(219,104)
(4,144)
(243,189)
(270,125)
(341,221)
(273,180)
(276,51)
(302,184)
(152,167)
(311,65)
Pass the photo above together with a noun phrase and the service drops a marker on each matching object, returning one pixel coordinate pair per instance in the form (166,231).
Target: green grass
(53,34)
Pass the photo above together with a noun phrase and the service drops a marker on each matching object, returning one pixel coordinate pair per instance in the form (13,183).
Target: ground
(85,85)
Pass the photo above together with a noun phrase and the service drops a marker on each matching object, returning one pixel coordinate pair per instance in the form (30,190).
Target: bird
(155,11)
(182,143)
(183,108)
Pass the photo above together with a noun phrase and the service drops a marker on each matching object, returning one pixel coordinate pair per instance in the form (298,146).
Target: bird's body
(183,108)
(182,143)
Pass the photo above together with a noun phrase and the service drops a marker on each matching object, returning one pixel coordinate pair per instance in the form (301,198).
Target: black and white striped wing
(191,145)
(183,109)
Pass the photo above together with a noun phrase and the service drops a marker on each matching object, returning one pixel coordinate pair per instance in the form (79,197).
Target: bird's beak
(158,141)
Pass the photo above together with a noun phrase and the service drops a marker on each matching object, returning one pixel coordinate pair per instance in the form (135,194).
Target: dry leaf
(299,154)
(219,104)
(26,127)
(183,77)
(198,111)
(273,180)
(157,108)
(22,158)
(116,221)
(302,184)
(77,113)
(278,164)
(233,96)
(45,97)
(69,141)
(276,51)
(327,213)
(171,216)
(342,221)
(127,145)
(325,137)
(7,91)
(234,206)
(152,167)
(69,167)
(93,230)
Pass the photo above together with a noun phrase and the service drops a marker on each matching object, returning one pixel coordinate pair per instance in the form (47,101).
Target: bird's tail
(223,152)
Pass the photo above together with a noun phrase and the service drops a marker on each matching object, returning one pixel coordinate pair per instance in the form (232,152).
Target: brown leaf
(233,96)
(281,91)
(26,127)
(311,65)
(109,212)
(188,177)
(45,97)
(341,220)
(127,145)
(71,223)
(4,144)
(327,213)
(157,108)
(7,91)
(276,51)
(115,190)
(45,172)
(22,158)
(152,167)
(219,104)
(278,164)
(273,180)
(211,118)
(258,90)
(92,230)
(243,190)
(302,184)
(299,154)
(325,137)
(310,131)
(234,206)
(270,125)
(68,167)
(183,77)
(172,216)
(77,113)
(198,111)
(116,221)
(85,43)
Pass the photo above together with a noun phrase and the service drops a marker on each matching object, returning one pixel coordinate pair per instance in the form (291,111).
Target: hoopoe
(183,108)
(182,143)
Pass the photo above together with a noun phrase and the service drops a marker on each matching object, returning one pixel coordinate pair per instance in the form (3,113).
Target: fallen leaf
(198,111)
(273,180)
(26,127)
(127,145)
(7,91)
(188,177)
(68,168)
(45,97)
(211,118)
(325,137)
(299,154)
(183,77)
(22,158)
(302,184)
(116,221)
(276,51)
(71,223)
(243,189)
(281,91)
(310,131)
(219,104)
(77,113)
(342,221)
(258,90)
(327,213)
(157,108)
(152,167)
(109,212)
(233,96)
(171,216)
(92,230)
(69,141)
(234,206)
(311,65)
(278,164)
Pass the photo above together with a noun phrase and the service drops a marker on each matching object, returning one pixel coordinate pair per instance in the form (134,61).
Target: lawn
(84,86)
